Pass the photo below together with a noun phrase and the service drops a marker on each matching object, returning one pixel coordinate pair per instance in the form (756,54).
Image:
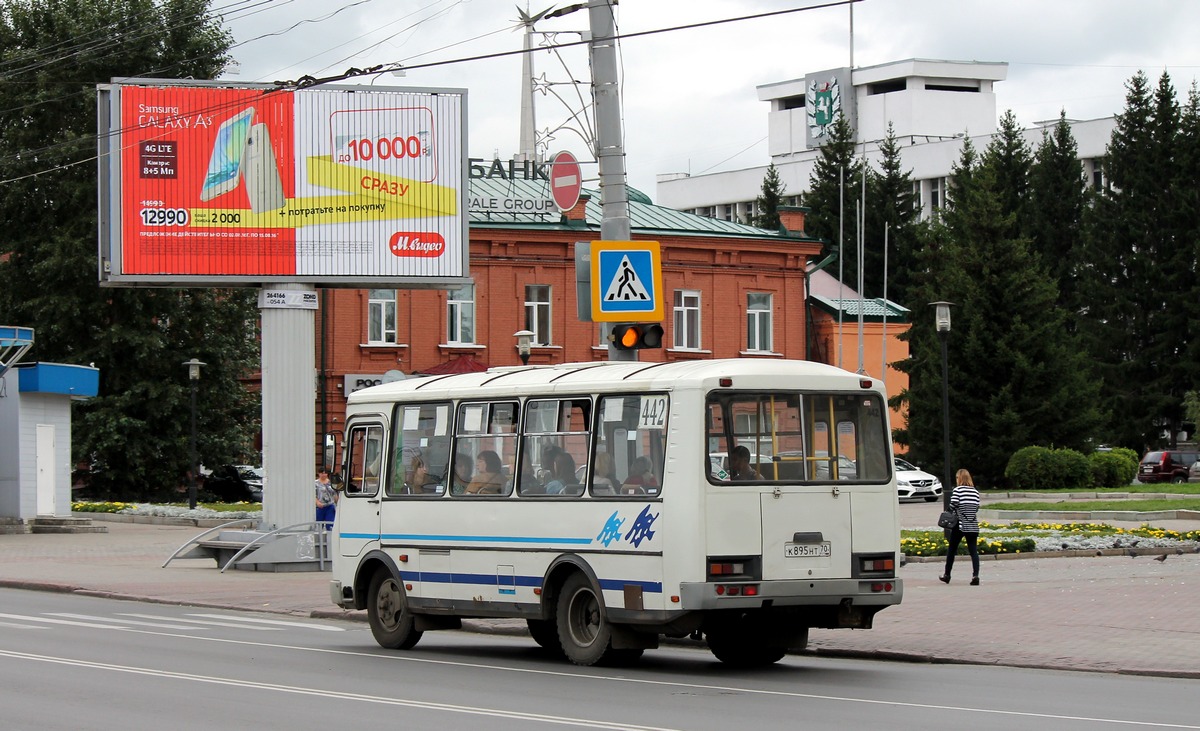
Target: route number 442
(654,412)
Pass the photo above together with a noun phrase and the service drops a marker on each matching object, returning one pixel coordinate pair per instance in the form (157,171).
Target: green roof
(644,216)
(873,310)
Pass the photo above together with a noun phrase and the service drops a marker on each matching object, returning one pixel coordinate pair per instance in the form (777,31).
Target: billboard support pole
(288,411)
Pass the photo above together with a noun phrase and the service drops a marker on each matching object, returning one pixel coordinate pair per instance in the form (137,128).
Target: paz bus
(596,502)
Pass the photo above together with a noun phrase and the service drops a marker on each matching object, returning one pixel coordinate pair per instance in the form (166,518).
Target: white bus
(594,501)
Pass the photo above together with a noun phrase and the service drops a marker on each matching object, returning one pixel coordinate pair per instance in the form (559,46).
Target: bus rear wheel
(387,611)
(583,628)
(742,643)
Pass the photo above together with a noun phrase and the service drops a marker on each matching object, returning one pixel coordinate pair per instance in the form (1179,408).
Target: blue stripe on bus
(467,539)
(441,577)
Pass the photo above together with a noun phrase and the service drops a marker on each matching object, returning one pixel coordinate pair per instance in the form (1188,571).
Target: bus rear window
(795,437)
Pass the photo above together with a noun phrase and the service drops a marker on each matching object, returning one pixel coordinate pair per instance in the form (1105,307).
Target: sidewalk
(1111,613)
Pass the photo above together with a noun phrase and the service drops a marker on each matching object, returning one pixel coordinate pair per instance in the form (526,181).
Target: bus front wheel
(387,612)
(583,629)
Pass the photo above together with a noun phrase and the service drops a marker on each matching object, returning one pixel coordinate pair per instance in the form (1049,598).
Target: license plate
(807,550)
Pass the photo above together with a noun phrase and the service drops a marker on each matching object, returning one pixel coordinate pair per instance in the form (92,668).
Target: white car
(914,484)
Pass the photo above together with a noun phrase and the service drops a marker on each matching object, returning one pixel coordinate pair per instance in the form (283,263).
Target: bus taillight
(885,586)
(737,589)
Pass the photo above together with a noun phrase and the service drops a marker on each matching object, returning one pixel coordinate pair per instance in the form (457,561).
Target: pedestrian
(964,501)
(326,497)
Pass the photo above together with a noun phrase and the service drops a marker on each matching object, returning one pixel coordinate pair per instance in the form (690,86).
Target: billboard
(224,185)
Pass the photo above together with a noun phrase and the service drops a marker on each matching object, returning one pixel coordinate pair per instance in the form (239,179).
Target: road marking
(325,694)
(159,625)
(206,622)
(304,625)
(21,626)
(47,620)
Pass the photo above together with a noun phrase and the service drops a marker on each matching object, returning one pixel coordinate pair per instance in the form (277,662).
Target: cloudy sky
(689,99)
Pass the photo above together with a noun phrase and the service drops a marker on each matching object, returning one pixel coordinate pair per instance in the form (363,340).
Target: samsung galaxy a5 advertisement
(215,184)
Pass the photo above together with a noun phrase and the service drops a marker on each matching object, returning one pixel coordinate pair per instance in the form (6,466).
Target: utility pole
(610,150)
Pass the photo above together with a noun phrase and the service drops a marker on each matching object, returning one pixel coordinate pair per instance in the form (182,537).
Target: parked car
(1194,472)
(235,483)
(914,484)
(1168,465)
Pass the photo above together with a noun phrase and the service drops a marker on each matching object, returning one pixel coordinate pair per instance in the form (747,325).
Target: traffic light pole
(610,150)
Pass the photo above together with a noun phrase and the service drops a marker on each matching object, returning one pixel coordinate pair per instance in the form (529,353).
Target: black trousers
(956,537)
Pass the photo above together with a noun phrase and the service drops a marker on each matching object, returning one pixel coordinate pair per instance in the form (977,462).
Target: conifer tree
(827,218)
(1014,379)
(769,200)
(1057,197)
(1140,269)
(892,208)
(135,434)
(1009,158)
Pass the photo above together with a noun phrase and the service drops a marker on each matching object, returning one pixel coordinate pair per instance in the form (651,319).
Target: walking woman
(965,501)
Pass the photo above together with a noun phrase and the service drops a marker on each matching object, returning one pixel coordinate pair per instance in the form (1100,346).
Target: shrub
(1029,468)
(1111,469)
(1129,454)
(1042,468)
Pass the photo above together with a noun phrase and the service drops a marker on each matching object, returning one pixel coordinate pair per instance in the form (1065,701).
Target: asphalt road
(72,662)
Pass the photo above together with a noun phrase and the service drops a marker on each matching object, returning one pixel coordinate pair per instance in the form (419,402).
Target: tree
(1057,199)
(1015,381)
(826,218)
(769,200)
(1141,264)
(892,210)
(135,433)
(1009,158)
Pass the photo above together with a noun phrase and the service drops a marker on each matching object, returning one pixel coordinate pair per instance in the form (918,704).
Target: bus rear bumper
(877,593)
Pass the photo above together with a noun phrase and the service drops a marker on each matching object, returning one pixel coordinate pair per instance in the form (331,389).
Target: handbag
(948,519)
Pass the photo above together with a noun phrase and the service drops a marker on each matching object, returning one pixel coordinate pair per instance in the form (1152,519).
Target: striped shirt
(965,499)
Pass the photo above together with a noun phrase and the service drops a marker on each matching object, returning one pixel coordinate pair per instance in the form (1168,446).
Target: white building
(931,105)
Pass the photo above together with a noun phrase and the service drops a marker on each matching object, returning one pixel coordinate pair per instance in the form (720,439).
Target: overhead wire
(309,82)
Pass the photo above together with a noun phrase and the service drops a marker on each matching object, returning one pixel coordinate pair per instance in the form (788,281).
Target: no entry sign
(566,180)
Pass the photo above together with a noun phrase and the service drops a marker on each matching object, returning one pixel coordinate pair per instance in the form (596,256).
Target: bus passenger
(641,478)
(562,474)
(462,474)
(604,476)
(417,478)
(739,465)
(489,477)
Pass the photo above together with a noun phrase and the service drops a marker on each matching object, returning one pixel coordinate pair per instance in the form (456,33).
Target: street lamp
(193,367)
(942,319)
(524,344)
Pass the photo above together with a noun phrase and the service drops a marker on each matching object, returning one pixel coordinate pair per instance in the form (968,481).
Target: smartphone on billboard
(264,187)
(225,165)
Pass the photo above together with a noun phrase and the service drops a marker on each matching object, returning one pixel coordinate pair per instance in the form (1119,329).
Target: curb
(156,519)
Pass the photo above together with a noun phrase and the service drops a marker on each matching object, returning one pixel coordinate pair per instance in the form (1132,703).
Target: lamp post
(193,367)
(942,320)
(524,344)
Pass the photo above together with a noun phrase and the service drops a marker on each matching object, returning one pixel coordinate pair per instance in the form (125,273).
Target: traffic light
(637,336)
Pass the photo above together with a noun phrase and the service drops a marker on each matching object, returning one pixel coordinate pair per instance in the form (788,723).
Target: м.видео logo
(424,244)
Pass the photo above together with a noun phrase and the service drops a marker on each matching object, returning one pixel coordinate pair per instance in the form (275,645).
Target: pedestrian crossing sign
(626,281)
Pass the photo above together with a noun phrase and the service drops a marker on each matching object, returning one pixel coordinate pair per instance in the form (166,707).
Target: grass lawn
(1187,488)
(1138,506)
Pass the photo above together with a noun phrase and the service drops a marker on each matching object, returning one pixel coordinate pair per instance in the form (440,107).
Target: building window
(687,319)
(537,312)
(460,315)
(936,193)
(758,321)
(381,316)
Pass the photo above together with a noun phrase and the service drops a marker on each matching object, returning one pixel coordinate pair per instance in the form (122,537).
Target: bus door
(357,521)
(836,490)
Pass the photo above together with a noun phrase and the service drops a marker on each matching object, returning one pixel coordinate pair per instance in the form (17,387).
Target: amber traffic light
(637,336)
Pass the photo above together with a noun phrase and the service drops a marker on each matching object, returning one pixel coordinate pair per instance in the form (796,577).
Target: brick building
(730,291)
